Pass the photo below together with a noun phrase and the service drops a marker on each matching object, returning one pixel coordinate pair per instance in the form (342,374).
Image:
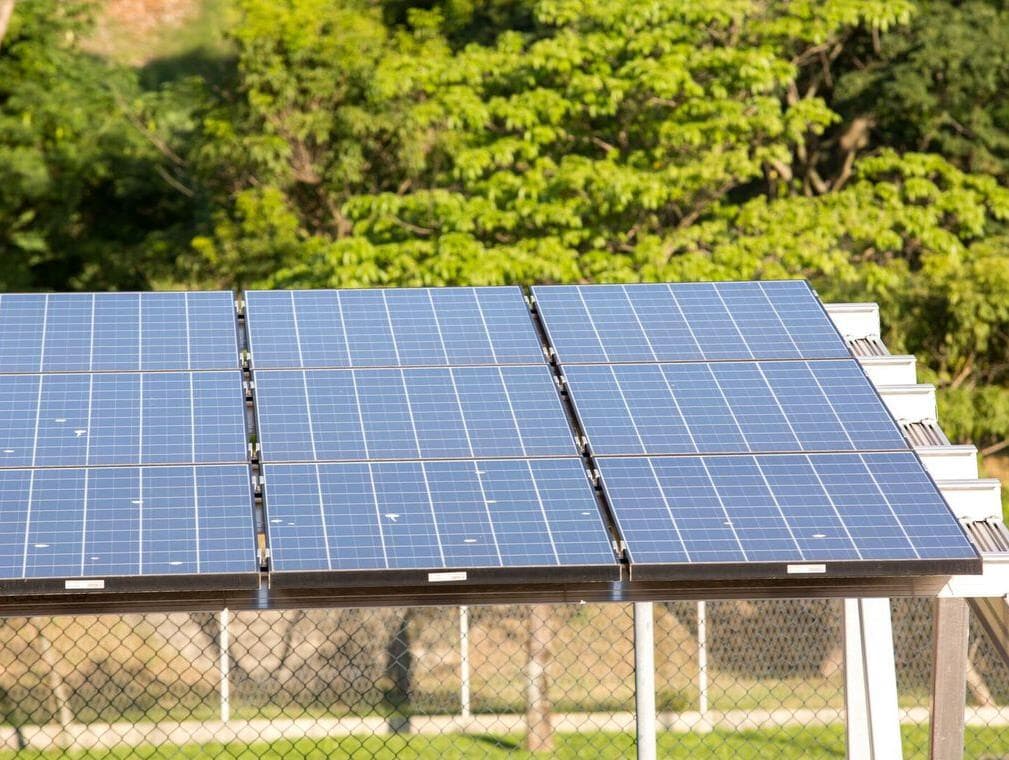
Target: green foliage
(937,84)
(76,201)
(551,155)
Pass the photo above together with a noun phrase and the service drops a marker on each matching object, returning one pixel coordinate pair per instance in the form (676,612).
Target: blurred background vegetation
(863,144)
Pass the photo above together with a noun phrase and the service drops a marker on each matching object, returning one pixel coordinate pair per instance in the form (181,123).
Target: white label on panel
(442,577)
(806,569)
(84,584)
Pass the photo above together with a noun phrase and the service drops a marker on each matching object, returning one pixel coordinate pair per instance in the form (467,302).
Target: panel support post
(949,678)
(464,680)
(702,663)
(224,645)
(644,678)
(870,678)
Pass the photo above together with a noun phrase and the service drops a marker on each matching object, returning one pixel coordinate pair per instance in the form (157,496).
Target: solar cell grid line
(410,413)
(711,322)
(21,317)
(731,407)
(399,521)
(673,322)
(68,338)
(392,327)
(131,528)
(798,306)
(751,515)
(455,385)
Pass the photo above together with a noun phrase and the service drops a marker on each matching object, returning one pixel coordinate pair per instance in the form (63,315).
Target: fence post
(951,633)
(702,661)
(539,725)
(464,683)
(58,687)
(644,678)
(225,651)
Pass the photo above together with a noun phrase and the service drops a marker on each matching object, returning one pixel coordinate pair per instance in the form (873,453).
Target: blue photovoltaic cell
(730,407)
(14,488)
(73,420)
(126,521)
(687,322)
(21,324)
(430,515)
(417,413)
(391,328)
(780,508)
(117,332)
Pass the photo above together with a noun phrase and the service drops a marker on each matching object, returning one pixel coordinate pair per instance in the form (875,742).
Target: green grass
(820,743)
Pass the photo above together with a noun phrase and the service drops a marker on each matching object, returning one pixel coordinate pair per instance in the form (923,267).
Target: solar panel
(73,420)
(117,332)
(802,508)
(687,322)
(420,413)
(740,407)
(422,327)
(130,527)
(481,519)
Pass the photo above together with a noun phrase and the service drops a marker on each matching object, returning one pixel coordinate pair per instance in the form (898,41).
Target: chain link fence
(733,680)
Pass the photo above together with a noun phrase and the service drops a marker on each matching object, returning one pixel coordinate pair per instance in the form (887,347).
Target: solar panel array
(416,430)
(123,443)
(659,374)
(421,435)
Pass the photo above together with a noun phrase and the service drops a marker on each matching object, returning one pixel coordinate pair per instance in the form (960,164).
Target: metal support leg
(873,725)
(702,661)
(644,678)
(225,651)
(464,682)
(949,678)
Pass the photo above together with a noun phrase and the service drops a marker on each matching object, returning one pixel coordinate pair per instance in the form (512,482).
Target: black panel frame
(265,598)
(479,576)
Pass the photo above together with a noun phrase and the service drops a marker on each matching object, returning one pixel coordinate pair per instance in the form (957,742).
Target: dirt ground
(134,31)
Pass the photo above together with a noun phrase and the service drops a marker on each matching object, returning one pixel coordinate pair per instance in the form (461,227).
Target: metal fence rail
(730,677)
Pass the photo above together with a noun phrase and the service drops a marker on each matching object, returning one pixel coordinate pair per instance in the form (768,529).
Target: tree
(79,196)
(547,155)
(935,84)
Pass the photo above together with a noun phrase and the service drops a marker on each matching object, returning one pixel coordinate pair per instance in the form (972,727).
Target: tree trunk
(6,11)
(399,670)
(976,685)
(540,732)
(59,689)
